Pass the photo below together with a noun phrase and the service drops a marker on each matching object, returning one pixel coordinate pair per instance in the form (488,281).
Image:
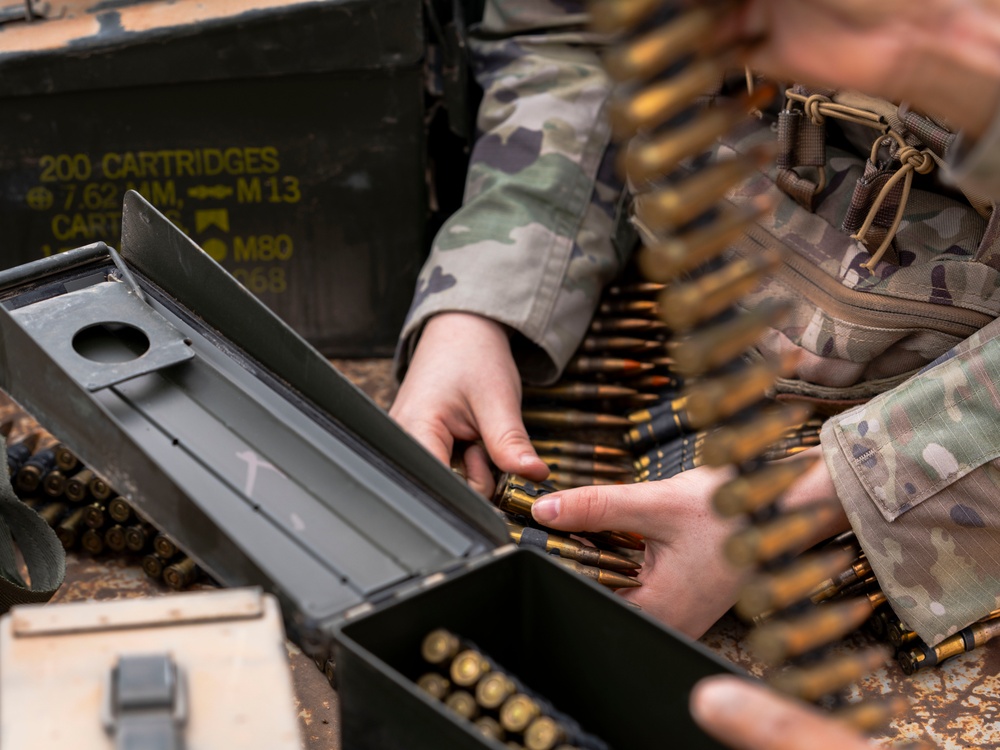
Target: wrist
(816,486)
(452,324)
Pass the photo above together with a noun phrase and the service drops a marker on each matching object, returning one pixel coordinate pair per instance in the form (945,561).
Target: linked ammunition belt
(87,514)
(674,343)
(500,706)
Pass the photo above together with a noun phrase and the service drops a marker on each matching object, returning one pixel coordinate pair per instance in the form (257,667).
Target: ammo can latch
(146,703)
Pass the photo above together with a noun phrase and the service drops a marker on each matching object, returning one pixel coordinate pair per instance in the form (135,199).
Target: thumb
(624,507)
(506,440)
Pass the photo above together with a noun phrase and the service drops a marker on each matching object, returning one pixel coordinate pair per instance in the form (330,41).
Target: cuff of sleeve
(936,568)
(536,363)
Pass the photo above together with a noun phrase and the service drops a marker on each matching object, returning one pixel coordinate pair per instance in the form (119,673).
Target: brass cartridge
(463,704)
(30,475)
(490,727)
(609,578)
(775,591)
(439,646)
(70,528)
(711,401)
(518,712)
(648,160)
(737,443)
(704,350)
(628,307)
(468,667)
(95,515)
(99,488)
(567,480)
(672,208)
(119,509)
(653,105)
(682,253)
(181,574)
(114,538)
(634,289)
(686,305)
(607,16)
(66,460)
(607,366)
(812,683)
(544,733)
(751,492)
(569,448)
(966,639)
(153,565)
(627,325)
(92,541)
(139,536)
(584,466)
(579,392)
(164,546)
(572,549)
(597,344)
(434,684)
(493,689)
(778,641)
(77,486)
(571,418)
(789,532)
(54,483)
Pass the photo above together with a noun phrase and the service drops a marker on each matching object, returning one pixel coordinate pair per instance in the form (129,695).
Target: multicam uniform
(917,468)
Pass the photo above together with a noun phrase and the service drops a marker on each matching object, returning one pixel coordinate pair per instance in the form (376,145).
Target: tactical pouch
(886,266)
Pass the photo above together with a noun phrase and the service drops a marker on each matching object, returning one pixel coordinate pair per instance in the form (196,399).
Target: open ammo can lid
(230,432)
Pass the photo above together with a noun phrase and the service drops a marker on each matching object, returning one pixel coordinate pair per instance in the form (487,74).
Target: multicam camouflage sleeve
(918,471)
(918,468)
(531,246)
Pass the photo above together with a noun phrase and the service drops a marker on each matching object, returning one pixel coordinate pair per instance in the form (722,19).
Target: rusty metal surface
(954,706)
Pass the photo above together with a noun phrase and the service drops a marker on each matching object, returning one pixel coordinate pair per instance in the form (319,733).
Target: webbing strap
(39,545)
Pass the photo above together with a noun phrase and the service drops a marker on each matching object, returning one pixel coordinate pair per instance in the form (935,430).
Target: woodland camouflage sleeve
(918,472)
(531,245)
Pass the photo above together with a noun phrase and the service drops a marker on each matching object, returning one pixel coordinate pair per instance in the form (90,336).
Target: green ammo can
(286,136)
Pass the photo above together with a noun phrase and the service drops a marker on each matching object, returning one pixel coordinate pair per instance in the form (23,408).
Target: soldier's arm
(531,246)
(918,472)
(521,264)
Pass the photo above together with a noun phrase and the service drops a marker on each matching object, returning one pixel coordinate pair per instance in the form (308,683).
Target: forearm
(531,246)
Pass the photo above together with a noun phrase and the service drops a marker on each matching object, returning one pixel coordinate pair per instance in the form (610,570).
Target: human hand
(943,56)
(463,385)
(748,716)
(686,581)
